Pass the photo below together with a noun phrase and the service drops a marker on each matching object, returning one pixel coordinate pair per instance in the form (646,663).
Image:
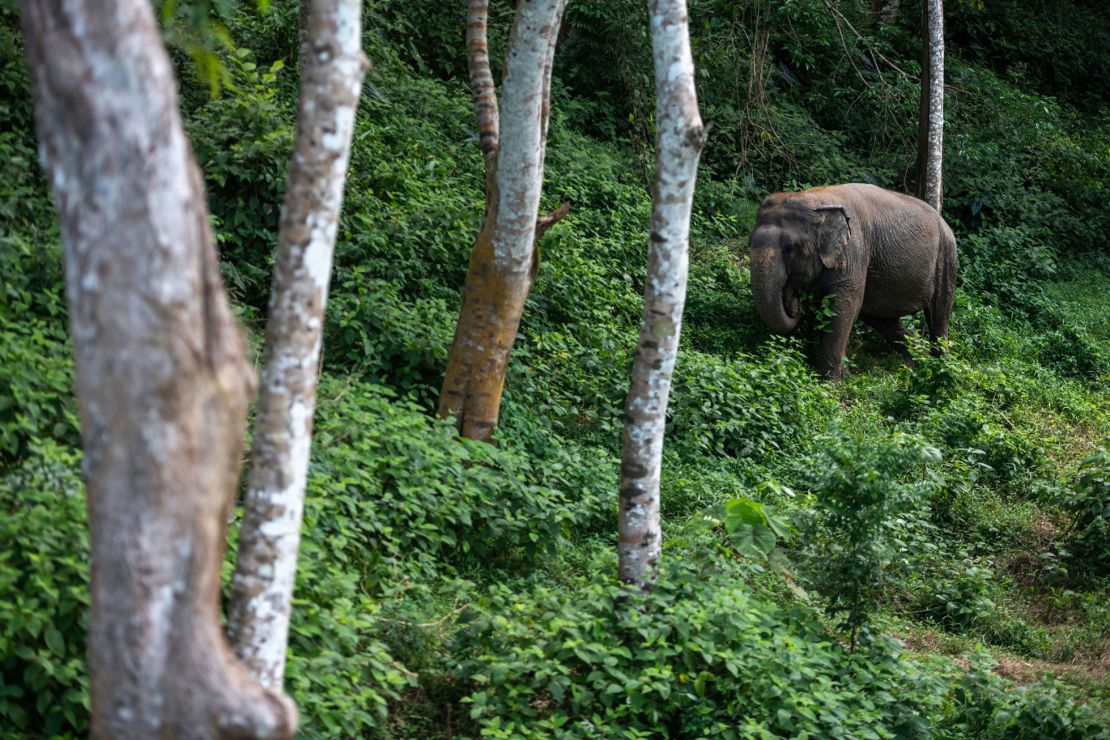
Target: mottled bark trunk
(484,93)
(162,376)
(502,262)
(930,132)
(679,139)
(262,590)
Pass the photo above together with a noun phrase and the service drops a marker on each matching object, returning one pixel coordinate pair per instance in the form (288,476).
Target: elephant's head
(796,236)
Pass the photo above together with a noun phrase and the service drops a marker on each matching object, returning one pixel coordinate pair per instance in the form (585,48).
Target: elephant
(881,254)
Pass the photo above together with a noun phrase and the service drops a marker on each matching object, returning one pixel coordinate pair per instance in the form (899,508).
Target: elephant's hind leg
(893,332)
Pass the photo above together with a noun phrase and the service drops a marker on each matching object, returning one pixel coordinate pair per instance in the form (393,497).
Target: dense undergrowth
(881,558)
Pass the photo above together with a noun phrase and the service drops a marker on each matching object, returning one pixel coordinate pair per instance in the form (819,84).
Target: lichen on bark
(162,375)
(262,588)
(503,260)
(930,145)
(679,139)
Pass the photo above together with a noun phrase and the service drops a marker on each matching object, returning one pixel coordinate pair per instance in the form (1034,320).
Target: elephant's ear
(835,231)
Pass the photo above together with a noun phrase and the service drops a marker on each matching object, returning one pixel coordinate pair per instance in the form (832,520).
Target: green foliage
(968,407)
(702,656)
(243,141)
(36,386)
(606,65)
(395,504)
(375,332)
(1007,261)
(43,595)
(752,406)
(963,599)
(861,531)
(420,495)
(754,528)
(1054,47)
(36,372)
(1087,503)
(984,706)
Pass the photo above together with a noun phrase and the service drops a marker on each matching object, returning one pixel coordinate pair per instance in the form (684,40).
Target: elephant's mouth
(790,301)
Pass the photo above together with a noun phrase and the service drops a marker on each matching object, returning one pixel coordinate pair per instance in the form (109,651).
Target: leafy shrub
(1009,266)
(371,330)
(606,67)
(988,707)
(976,512)
(44,556)
(704,656)
(985,448)
(1050,59)
(243,140)
(1074,352)
(863,519)
(748,407)
(962,599)
(397,504)
(342,669)
(36,384)
(1087,503)
(968,408)
(419,494)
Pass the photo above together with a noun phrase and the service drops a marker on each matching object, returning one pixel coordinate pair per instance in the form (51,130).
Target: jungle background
(910,553)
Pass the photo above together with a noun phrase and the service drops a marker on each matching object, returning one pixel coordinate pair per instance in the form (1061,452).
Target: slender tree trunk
(679,139)
(262,590)
(162,376)
(502,263)
(930,132)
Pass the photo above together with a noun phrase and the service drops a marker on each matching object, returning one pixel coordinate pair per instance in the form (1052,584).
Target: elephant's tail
(944,292)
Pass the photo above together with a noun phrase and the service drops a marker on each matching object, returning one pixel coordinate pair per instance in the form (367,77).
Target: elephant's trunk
(775,300)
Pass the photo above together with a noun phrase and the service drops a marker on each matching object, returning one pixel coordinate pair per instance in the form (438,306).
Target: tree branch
(546,222)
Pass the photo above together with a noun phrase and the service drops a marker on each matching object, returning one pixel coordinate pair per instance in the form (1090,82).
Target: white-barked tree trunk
(332,70)
(162,374)
(503,259)
(679,138)
(930,137)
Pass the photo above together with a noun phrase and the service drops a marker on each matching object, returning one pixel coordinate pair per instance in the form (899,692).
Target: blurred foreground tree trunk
(930,131)
(332,69)
(679,138)
(503,261)
(163,380)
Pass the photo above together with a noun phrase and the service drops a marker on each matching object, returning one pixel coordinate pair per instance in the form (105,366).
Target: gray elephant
(883,255)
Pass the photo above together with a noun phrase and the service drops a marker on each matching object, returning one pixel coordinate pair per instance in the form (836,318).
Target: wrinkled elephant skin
(881,254)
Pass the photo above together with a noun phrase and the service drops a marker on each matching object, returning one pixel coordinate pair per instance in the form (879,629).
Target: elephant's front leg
(835,341)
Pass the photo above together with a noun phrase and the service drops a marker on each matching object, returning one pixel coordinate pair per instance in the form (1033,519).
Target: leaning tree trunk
(679,139)
(262,590)
(502,261)
(930,132)
(162,376)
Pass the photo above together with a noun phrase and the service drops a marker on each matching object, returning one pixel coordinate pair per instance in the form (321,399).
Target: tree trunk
(679,139)
(930,132)
(262,590)
(162,376)
(502,262)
